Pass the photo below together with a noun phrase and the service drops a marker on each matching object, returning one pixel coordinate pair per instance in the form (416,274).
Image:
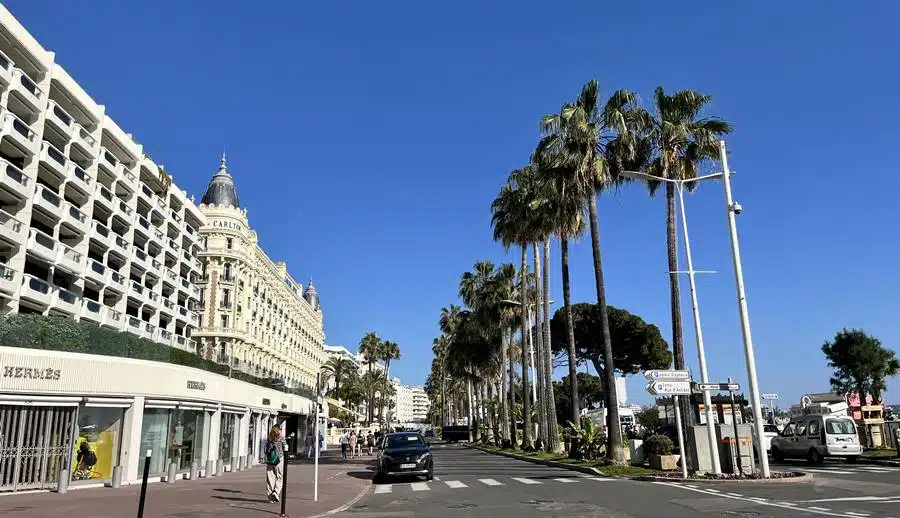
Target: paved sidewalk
(233,495)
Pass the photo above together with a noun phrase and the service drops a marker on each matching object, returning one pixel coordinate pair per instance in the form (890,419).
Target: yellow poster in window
(93,456)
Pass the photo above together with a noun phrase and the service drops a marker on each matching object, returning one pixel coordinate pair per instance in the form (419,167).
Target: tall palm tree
(577,137)
(502,290)
(338,369)
(370,349)
(509,219)
(677,140)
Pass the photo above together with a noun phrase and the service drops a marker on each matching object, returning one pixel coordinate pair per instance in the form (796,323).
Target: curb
(551,463)
(346,506)
(804,477)
(877,462)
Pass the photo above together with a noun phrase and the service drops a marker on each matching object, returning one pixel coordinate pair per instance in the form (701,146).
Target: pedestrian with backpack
(274,452)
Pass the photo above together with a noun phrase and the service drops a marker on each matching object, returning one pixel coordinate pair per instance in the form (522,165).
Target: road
(476,484)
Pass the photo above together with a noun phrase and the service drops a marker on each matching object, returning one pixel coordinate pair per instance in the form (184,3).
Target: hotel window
(225,321)
(228,276)
(229,243)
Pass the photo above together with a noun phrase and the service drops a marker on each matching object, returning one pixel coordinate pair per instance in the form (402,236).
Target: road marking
(734,494)
(819,508)
(713,490)
(854,513)
(420,486)
(566,480)
(455,484)
(852,499)
(599,479)
(690,486)
(526,481)
(384,488)
(489,482)
(834,471)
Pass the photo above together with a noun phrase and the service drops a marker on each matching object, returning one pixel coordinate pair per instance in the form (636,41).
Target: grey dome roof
(310,289)
(221,190)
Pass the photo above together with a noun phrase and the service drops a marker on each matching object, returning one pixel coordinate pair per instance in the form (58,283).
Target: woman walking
(353,440)
(274,463)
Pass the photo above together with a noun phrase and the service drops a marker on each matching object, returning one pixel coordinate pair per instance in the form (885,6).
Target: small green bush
(659,445)
(64,334)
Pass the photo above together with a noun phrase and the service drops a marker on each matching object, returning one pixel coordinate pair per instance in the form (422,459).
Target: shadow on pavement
(362,475)
(223,490)
(241,499)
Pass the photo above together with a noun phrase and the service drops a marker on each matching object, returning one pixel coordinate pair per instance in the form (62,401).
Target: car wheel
(777,455)
(815,457)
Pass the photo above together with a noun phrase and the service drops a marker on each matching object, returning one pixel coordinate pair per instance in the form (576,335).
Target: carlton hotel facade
(94,230)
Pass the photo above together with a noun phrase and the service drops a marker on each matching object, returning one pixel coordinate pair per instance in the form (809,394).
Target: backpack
(272,457)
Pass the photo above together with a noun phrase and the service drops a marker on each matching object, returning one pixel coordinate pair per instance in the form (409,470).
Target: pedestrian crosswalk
(482,482)
(838,469)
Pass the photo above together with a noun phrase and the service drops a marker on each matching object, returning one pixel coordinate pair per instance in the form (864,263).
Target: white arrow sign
(731,387)
(769,397)
(669,388)
(667,375)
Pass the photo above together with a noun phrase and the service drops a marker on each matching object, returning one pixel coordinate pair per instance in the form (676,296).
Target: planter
(664,462)
(636,448)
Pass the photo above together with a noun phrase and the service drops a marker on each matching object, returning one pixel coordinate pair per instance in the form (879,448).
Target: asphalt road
(471,483)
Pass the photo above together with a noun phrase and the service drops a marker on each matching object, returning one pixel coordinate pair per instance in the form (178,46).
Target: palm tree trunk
(614,452)
(473,429)
(539,352)
(527,443)
(504,413)
(570,332)
(513,436)
(552,425)
(443,392)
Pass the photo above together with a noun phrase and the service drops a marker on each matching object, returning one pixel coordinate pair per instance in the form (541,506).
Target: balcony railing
(19,130)
(49,200)
(81,175)
(60,117)
(27,88)
(11,227)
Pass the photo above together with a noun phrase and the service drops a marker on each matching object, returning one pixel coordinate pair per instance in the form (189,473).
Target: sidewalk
(233,495)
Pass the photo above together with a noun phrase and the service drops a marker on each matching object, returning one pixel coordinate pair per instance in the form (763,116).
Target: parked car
(770,431)
(815,437)
(404,453)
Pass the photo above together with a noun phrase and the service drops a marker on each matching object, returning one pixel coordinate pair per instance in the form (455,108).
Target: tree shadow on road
(242,499)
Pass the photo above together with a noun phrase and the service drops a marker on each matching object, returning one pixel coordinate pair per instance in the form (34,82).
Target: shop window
(226,438)
(97,445)
(155,437)
(186,438)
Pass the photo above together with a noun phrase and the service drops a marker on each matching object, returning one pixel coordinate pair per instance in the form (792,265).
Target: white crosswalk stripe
(386,488)
(492,482)
(565,480)
(526,481)
(489,482)
(455,484)
(420,486)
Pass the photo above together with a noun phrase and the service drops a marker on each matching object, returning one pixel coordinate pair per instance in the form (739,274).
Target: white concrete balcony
(134,325)
(120,244)
(151,332)
(161,204)
(171,277)
(109,162)
(180,342)
(165,337)
(193,318)
(138,292)
(153,297)
(9,282)
(96,272)
(156,267)
(19,132)
(12,230)
(146,194)
(124,211)
(48,201)
(85,140)
(54,160)
(101,234)
(168,307)
(60,119)
(143,226)
(79,178)
(74,218)
(116,281)
(6,69)
(140,258)
(104,197)
(184,286)
(14,181)
(36,290)
(174,246)
(113,318)
(66,301)
(183,313)
(43,246)
(195,291)
(129,180)
(176,218)
(27,89)
(158,235)
(92,311)
(70,259)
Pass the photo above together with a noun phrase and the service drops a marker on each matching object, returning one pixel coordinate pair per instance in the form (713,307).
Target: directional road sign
(667,375)
(669,388)
(769,397)
(730,387)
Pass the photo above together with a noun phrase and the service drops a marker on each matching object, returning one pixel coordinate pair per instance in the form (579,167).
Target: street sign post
(667,375)
(730,387)
(769,397)
(672,383)
(669,388)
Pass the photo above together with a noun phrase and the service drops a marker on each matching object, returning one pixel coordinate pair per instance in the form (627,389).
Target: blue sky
(368,139)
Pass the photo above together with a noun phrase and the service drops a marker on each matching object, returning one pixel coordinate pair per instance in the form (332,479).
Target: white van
(815,437)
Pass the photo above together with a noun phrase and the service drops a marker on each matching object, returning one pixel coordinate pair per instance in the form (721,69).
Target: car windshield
(839,426)
(405,441)
(770,428)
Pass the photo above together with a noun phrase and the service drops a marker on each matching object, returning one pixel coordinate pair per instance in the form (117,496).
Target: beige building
(254,316)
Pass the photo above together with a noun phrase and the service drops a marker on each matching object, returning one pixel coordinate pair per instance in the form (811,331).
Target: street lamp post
(731,209)
(695,309)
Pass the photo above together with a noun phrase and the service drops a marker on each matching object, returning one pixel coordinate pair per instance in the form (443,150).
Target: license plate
(407,466)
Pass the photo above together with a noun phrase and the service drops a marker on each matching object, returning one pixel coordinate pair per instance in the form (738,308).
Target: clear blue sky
(368,140)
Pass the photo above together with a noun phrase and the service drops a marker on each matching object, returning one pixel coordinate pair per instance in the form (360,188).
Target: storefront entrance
(35,444)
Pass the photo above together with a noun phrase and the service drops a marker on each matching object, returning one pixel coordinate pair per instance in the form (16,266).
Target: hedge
(63,334)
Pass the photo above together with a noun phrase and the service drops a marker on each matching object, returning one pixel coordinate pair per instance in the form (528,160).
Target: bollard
(116,477)
(144,484)
(172,473)
(284,480)
(62,486)
(242,462)
(195,469)
(210,469)
(220,468)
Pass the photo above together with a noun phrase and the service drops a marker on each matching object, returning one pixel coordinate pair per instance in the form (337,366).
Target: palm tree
(370,349)
(338,369)
(677,140)
(577,137)
(509,213)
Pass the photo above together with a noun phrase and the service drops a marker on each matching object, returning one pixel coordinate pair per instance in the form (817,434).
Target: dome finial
(222,164)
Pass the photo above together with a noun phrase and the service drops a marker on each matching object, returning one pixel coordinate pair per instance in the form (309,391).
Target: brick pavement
(233,495)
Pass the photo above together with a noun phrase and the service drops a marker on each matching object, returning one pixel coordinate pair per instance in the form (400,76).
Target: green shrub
(659,445)
(64,334)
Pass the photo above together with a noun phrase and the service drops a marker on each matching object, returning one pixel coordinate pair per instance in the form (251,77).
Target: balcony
(113,318)
(165,337)
(54,159)
(168,306)
(120,244)
(139,257)
(109,162)
(173,245)
(85,140)
(70,259)
(171,277)
(48,201)
(36,290)
(12,230)
(59,118)
(129,180)
(182,313)
(104,197)
(66,301)
(14,181)
(184,286)
(143,226)
(156,267)
(19,132)
(193,318)
(101,234)
(116,281)
(75,218)
(195,291)
(79,178)
(147,194)
(96,272)
(161,204)
(135,325)
(43,246)
(8,280)
(176,217)
(138,292)
(6,69)
(91,310)
(27,89)
(150,331)
(152,296)
(181,342)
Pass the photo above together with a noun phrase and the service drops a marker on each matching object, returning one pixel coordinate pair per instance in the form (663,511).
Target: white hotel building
(92,229)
